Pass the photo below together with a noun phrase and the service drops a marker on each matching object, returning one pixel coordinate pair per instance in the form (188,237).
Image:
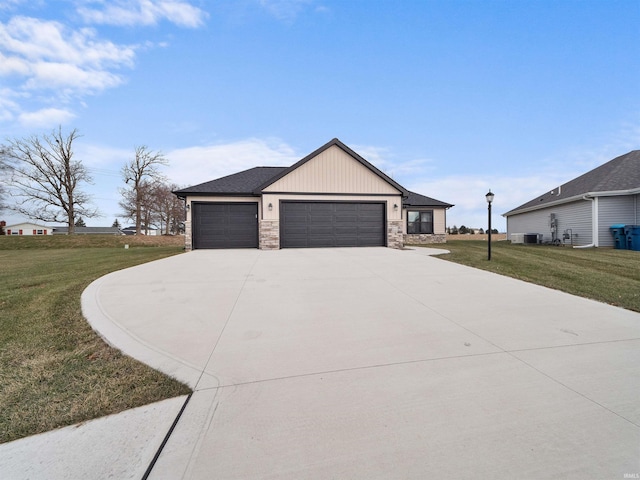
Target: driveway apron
(377,363)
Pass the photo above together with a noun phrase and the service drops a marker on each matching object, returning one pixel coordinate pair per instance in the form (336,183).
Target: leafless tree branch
(45,179)
(141,174)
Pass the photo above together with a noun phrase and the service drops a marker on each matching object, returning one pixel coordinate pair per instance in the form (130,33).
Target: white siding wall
(613,210)
(332,171)
(575,215)
(28,228)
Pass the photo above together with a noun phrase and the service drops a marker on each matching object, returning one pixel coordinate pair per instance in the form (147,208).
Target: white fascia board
(575,198)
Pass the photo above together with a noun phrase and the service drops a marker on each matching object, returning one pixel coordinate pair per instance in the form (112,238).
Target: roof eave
(214,194)
(432,205)
(574,198)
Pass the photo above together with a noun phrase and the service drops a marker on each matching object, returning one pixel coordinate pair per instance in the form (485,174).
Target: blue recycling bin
(633,237)
(619,236)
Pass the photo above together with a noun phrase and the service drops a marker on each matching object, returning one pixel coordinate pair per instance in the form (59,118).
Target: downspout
(594,223)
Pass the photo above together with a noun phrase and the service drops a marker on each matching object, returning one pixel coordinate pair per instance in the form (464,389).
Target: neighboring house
(144,230)
(88,231)
(28,228)
(331,198)
(582,210)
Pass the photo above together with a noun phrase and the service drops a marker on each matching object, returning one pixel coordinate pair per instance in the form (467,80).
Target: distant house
(143,230)
(582,210)
(28,228)
(88,231)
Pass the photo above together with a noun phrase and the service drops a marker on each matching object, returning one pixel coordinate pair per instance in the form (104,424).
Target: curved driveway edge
(377,363)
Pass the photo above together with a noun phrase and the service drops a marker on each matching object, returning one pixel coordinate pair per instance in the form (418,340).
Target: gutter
(582,196)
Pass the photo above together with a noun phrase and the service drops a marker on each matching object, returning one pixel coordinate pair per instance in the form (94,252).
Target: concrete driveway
(374,363)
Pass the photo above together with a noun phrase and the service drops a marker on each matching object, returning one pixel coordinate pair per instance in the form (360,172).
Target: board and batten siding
(575,216)
(332,171)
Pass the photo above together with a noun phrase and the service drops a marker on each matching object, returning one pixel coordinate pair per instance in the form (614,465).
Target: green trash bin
(619,236)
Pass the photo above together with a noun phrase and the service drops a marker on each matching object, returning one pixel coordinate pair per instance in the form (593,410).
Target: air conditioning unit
(517,238)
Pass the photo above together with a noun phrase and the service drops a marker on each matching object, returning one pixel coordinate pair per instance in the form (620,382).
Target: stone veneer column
(187,236)
(394,234)
(425,239)
(269,235)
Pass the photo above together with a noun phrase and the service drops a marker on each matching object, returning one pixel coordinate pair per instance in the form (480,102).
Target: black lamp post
(489,200)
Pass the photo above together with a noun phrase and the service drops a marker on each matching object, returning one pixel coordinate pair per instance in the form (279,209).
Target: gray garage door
(225,225)
(332,224)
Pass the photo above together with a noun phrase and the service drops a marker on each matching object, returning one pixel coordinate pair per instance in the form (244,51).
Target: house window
(39,232)
(420,222)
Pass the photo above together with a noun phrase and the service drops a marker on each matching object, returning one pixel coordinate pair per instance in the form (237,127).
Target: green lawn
(54,369)
(603,274)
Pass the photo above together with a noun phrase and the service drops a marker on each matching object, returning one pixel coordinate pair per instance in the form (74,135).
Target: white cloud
(47,54)
(44,40)
(45,117)
(38,56)
(286,10)
(10,4)
(70,79)
(144,12)
(194,165)
(108,159)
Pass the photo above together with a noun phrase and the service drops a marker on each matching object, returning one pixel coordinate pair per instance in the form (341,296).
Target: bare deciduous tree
(138,174)
(4,169)
(45,180)
(169,207)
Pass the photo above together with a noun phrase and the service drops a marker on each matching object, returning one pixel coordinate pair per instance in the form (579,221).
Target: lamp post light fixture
(489,197)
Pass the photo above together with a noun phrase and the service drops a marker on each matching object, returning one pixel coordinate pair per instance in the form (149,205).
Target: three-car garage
(303,224)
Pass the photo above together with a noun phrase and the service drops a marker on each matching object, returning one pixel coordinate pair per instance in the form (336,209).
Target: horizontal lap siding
(575,216)
(615,210)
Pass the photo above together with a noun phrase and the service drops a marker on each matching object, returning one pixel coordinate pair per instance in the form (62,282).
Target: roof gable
(622,174)
(332,168)
(26,225)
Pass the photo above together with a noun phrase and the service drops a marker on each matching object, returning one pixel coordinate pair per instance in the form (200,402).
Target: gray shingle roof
(416,200)
(88,230)
(617,175)
(241,183)
(251,182)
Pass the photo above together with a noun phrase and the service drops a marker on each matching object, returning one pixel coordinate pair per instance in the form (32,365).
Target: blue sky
(450,98)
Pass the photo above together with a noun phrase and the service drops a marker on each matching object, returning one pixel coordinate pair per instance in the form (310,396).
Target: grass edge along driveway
(603,274)
(54,369)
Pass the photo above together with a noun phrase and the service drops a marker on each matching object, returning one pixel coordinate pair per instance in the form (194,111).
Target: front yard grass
(54,369)
(603,274)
